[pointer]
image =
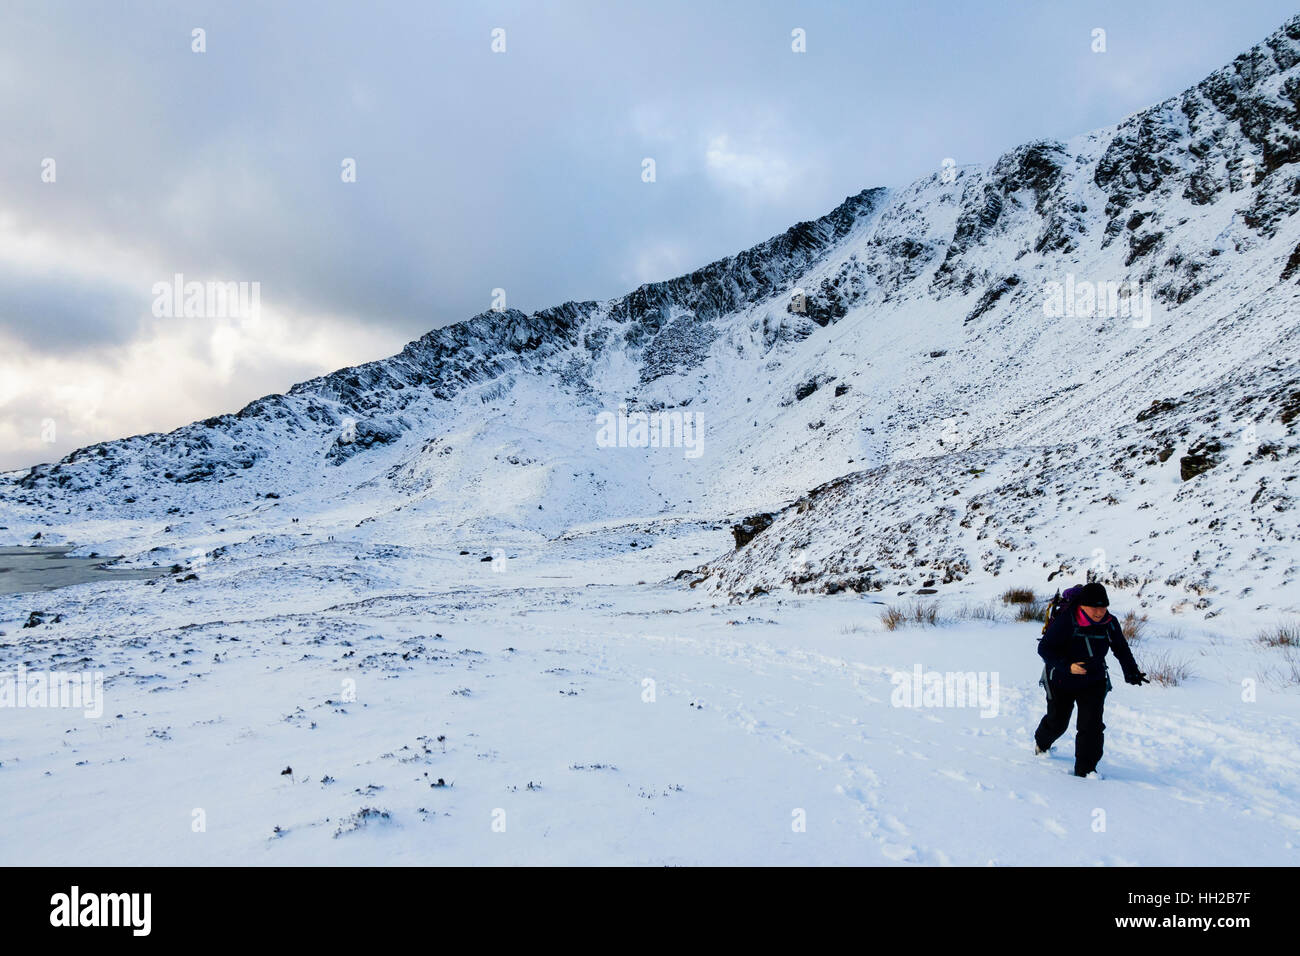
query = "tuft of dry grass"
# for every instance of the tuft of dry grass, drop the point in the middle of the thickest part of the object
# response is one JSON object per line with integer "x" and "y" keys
{"x": 1133, "y": 626}
{"x": 1281, "y": 635}
{"x": 922, "y": 613}
{"x": 1019, "y": 596}
{"x": 925, "y": 613}
{"x": 1292, "y": 672}
{"x": 1168, "y": 672}
{"x": 1031, "y": 612}
{"x": 978, "y": 612}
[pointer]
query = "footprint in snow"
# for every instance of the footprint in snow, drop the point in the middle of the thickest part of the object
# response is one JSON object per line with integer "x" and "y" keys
{"x": 898, "y": 852}
{"x": 896, "y": 825}
{"x": 855, "y": 794}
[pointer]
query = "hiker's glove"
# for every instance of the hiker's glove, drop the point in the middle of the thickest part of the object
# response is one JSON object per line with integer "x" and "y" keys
{"x": 1137, "y": 678}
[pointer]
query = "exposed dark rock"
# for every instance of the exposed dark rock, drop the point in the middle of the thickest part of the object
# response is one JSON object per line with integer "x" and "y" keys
{"x": 1292, "y": 264}
{"x": 679, "y": 346}
{"x": 1035, "y": 167}
{"x": 1158, "y": 407}
{"x": 804, "y": 389}
{"x": 751, "y": 276}
{"x": 1200, "y": 458}
{"x": 745, "y": 531}
{"x": 364, "y": 435}
{"x": 1140, "y": 244}
{"x": 1290, "y": 409}
{"x": 990, "y": 299}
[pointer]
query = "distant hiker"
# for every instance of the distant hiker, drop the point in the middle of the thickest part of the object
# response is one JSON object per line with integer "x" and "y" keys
{"x": 1078, "y": 633}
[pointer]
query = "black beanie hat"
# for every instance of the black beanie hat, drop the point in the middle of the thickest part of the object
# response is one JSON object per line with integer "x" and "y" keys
{"x": 1093, "y": 595}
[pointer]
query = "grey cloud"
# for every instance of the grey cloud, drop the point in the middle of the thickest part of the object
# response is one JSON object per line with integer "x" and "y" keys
{"x": 521, "y": 170}
{"x": 66, "y": 314}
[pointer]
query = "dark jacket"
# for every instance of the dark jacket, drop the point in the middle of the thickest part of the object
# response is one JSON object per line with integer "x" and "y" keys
{"x": 1067, "y": 642}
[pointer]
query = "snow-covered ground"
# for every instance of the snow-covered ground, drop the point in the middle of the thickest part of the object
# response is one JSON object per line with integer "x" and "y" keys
{"x": 523, "y": 686}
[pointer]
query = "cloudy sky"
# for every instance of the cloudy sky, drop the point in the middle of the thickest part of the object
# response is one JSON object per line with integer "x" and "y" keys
{"x": 127, "y": 158}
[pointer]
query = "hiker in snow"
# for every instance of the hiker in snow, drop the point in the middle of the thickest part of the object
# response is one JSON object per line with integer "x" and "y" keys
{"x": 1078, "y": 633}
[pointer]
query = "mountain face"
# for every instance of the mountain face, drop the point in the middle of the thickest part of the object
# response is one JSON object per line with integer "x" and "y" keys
{"x": 1080, "y": 357}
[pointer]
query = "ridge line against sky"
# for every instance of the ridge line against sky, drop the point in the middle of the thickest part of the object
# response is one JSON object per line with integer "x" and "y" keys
{"x": 518, "y": 169}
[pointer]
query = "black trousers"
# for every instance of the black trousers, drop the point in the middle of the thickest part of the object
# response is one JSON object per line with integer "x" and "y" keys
{"x": 1088, "y": 738}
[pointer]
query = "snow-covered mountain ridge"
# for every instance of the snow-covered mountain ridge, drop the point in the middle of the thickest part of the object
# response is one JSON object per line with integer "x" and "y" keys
{"x": 900, "y": 355}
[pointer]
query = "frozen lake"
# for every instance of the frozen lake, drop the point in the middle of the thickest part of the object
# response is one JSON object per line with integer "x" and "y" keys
{"x": 44, "y": 569}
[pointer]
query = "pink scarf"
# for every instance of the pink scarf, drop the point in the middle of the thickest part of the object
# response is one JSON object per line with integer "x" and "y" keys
{"x": 1083, "y": 620}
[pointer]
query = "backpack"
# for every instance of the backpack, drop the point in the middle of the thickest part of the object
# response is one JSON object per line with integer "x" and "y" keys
{"x": 1063, "y": 601}
{"x": 1060, "y": 601}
